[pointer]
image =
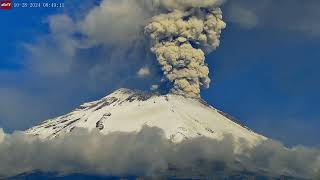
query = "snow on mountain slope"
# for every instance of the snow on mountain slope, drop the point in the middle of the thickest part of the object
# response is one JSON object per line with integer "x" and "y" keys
{"x": 127, "y": 111}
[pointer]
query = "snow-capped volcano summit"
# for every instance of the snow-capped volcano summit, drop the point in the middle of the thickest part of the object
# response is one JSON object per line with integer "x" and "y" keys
{"x": 128, "y": 111}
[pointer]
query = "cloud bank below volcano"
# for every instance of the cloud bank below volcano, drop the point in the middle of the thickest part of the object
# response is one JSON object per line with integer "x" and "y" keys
{"x": 149, "y": 154}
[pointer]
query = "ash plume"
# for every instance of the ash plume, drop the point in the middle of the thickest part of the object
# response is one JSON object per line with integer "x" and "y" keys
{"x": 181, "y": 37}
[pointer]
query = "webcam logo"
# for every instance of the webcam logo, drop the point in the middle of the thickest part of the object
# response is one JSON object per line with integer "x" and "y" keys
{"x": 6, "y": 4}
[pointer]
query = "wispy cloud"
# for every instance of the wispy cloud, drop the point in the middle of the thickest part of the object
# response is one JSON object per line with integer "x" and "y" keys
{"x": 81, "y": 57}
{"x": 288, "y": 15}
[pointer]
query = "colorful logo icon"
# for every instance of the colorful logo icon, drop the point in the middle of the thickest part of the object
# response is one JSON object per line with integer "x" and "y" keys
{"x": 6, "y": 4}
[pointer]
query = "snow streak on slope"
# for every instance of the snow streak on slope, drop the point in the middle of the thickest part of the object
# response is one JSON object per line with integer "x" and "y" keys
{"x": 128, "y": 111}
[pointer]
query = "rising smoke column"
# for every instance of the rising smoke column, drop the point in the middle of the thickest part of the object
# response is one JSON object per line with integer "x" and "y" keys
{"x": 180, "y": 39}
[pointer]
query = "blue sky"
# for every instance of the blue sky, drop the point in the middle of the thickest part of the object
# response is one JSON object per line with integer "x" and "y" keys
{"x": 265, "y": 73}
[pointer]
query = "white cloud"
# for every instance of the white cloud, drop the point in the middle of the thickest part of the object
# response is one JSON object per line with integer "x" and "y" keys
{"x": 2, "y": 135}
{"x": 53, "y": 54}
{"x": 244, "y": 17}
{"x": 61, "y": 24}
{"x": 144, "y": 72}
{"x": 115, "y": 22}
{"x": 154, "y": 87}
{"x": 149, "y": 153}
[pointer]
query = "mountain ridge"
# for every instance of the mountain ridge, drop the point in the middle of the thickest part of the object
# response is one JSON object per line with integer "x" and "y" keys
{"x": 127, "y": 110}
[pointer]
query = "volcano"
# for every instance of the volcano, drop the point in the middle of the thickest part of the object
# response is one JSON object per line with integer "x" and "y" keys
{"x": 128, "y": 110}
